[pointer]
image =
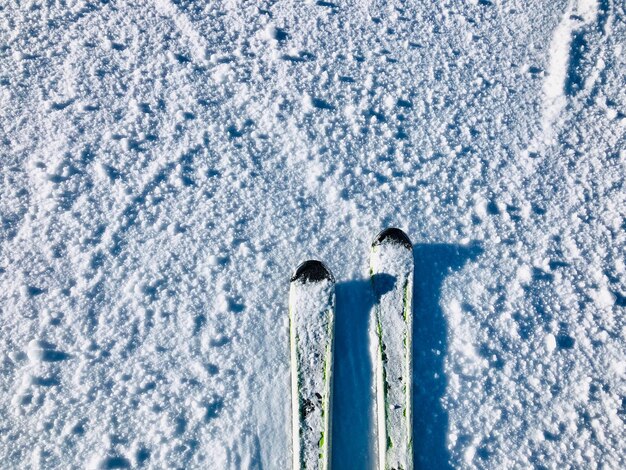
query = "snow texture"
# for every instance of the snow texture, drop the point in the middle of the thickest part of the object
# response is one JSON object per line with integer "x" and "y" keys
{"x": 165, "y": 165}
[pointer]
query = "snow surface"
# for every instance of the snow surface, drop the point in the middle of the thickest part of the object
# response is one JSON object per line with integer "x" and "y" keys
{"x": 165, "y": 165}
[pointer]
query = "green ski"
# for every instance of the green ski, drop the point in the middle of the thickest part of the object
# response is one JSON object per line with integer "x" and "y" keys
{"x": 311, "y": 325}
{"x": 391, "y": 271}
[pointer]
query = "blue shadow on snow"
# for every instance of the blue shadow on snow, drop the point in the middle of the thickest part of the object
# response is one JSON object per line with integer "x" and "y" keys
{"x": 353, "y": 392}
{"x": 353, "y": 376}
{"x": 433, "y": 262}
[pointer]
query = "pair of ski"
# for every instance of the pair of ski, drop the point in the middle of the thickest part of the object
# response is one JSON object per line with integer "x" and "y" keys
{"x": 311, "y": 325}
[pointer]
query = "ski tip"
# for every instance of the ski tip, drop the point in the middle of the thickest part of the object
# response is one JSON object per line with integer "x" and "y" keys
{"x": 393, "y": 235}
{"x": 312, "y": 271}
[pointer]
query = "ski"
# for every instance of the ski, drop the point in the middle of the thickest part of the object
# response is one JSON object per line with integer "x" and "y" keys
{"x": 391, "y": 273}
{"x": 311, "y": 331}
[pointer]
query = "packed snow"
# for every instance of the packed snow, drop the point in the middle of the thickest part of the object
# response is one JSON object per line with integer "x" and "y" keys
{"x": 166, "y": 165}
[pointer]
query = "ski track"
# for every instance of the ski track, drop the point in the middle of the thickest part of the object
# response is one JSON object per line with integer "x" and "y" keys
{"x": 165, "y": 167}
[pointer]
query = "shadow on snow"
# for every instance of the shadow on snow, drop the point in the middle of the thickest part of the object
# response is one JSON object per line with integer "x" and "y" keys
{"x": 430, "y": 346}
{"x": 352, "y": 376}
{"x": 353, "y": 394}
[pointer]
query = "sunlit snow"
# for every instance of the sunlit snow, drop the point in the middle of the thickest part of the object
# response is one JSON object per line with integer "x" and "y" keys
{"x": 164, "y": 166}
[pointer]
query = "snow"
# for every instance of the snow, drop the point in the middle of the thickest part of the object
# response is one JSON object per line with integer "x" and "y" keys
{"x": 165, "y": 166}
{"x": 550, "y": 342}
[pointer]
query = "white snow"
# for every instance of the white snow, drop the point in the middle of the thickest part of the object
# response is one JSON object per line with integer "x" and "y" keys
{"x": 550, "y": 342}
{"x": 165, "y": 165}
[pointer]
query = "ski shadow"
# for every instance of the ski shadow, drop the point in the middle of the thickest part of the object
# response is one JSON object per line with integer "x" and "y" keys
{"x": 433, "y": 263}
{"x": 353, "y": 393}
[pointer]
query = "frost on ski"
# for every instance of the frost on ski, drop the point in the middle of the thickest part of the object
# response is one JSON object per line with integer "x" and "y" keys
{"x": 311, "y": 309}
{"x": 391, "y": 267}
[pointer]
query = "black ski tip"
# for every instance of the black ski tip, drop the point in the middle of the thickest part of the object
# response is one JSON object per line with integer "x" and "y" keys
{"x": 312, "y": 271}
{"x": 394, "y": 235}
